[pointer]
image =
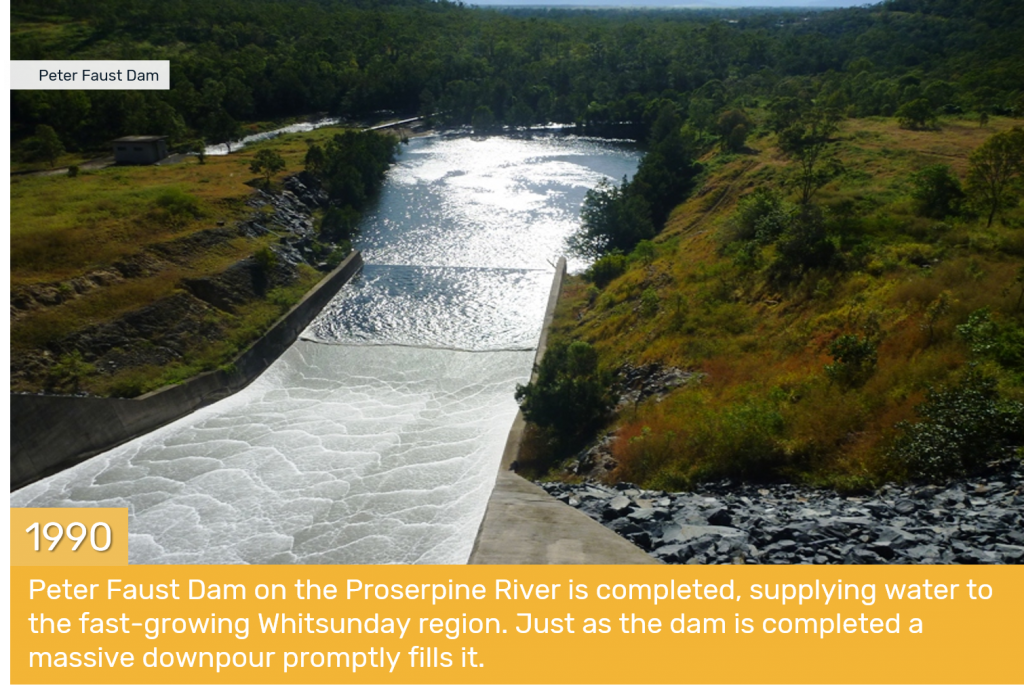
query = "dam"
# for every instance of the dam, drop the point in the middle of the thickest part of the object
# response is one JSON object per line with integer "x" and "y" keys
{"x": 376, "y": 437}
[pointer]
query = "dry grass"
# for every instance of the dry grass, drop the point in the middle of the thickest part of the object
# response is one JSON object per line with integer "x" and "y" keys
{"x": 62, "y": 227}
{"x": 766, "y": 406}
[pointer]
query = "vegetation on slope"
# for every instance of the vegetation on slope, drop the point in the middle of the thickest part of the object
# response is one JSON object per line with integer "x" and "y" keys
{"x": 94, "y": 250}
{"x": 874, "y": 331}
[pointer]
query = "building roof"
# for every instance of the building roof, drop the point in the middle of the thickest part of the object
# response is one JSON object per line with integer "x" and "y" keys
{"x": 135, "y": 139}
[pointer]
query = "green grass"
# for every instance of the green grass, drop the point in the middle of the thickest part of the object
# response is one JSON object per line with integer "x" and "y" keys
{"x": 766, "y": 408}
{"x": 62, "y": 228}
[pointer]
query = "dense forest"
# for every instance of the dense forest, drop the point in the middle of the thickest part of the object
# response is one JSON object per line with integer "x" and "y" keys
{"x": 235, "y": 61}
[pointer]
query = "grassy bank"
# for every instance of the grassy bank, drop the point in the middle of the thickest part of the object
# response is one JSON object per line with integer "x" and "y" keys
{"x": 780, "y": 398}
{"x": 94, "y": 248}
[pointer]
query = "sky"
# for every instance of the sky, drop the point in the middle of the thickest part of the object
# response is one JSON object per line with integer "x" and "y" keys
{"x": 678, "y": 3}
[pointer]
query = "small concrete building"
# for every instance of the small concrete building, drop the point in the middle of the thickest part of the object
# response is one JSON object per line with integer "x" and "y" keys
{"x": 144, "y": 149}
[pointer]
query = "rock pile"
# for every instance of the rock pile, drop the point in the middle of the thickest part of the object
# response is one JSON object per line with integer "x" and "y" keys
{"x": 636, "y": 383}
{"x": 165, "y": 330}
{"x": 979, "y": 521}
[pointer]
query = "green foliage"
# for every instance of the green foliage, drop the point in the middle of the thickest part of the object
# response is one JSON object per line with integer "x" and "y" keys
{"x": 937, "y": 192}
{"x": 733, "y": 127}
{"x": 761, "y": 216}
{"x": 743, "y": 441}
{"x": 68, "y": 372}
{"x": 339, "y": 224}
{"x": 645, "y": 252}
{"x": 1001, "y": 341}
{"x": 649, "y": 303}
{"x": 613, "y": 220}
{"x": 266, "y": 260}
{"x": 804, "y": 245}
{"x": 616, "y": 218}
{"x": 176, "y": 208}
{"x": 246, "y": 61}
{"x": 351, "y": 166}
{"x": 570, "y": 395}
{"x": 197, "y": 147}
{"x": 338, "y": 254}
{"x": 607, "y": 268}
{"x": 808, "y": 141}
{"x": 483, "y": 119}
{"x": 854, "y": 360}
{"x": 45, "y": 145}
{"x": 266, "y": 162}
{"x": 917, "y": 115}
{"x": 315, "y": 159}
{"x": 220, "y": 127}
{"x": 935, "y": 311}
{"x": 73, "y": 171}
{"x": 963, "y": 427}
{"x": 994, "y": 179}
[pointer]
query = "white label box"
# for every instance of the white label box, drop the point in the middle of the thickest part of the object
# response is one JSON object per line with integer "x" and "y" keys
{"x": 91, "y": 74}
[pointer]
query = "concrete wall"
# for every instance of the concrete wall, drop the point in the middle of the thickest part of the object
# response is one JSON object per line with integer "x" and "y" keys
{"x": 50, "y": 433}
{"x": 524, "y": 525}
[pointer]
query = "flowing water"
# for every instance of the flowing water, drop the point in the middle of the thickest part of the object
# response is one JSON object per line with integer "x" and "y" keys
{"x": 377, "y": 436}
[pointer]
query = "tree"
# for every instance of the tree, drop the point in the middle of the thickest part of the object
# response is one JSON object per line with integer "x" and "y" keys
{"x": 196, "y": 147}
{"x": 221, "y": 127}
{"x": 47, "y": 145}
{"x": 614, "y": 218}
{"x": 733, "y": 126}
{"x": 997, "y": 166}
{"x": 570, "y": 395}
{"x": 808, "y": 142}
{"x": 937, "y": 191}
{"x": 854, "y": 360}
{"x": 916, "y": 115}
{"x": 803, "y": 245}
{"x": 483, "y": 119}
{"x": 267, "y": 162}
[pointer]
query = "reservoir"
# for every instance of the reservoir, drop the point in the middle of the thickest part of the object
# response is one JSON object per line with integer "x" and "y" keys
{"x": 376, "y": 437}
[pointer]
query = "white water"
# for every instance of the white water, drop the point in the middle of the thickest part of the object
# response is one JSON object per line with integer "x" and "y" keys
{"x": 376, "y": 438}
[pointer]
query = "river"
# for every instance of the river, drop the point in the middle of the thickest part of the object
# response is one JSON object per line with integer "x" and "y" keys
{"x": 376, "y": 437}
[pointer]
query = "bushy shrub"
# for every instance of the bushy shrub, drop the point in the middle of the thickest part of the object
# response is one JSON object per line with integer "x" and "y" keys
{"x": 744, "y": 441}
{"x": 937, "y": 192}
{"x": 339, "y": 224}
{"x": 804, "y": 245}
{"x": 176, "y": 208}
{"x": 916, "y": 115}
{"x": 750, "y": 214}
{"x": 1003, "y": 342}
{"x": 854, "y": 358}
{"x": 649, "y": 302}
{"x": 963, "y": 426}
{"x": 607, "y": 268}
{"x": 570, "y": 396}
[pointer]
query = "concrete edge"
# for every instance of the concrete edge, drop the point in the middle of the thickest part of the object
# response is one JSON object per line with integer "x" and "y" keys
{"x": 50, "y": 433}
{"x": 523, "y": 524}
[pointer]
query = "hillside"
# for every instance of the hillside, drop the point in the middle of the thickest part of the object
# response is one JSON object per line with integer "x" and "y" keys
{"x": 805, "y": 372}
{"x": 128, "y": 278}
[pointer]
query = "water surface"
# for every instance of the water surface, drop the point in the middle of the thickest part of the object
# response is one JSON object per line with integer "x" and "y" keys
{"x": 376, "y": 437}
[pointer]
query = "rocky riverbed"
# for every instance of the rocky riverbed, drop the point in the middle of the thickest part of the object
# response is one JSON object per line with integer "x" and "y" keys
{"x": 974, "y": 521}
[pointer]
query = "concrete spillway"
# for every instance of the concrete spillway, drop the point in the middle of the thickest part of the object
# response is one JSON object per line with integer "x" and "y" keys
{"x": 376, "y": 438}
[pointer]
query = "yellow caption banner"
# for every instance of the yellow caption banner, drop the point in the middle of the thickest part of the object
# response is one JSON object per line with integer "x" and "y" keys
{"x": 269, "y": 624}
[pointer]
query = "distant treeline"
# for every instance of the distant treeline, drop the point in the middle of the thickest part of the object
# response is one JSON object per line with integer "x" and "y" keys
{"x": 235, "y": 61}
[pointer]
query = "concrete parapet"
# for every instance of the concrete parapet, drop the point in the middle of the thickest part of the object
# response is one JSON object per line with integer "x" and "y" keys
{"x": 524, "y": 525}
